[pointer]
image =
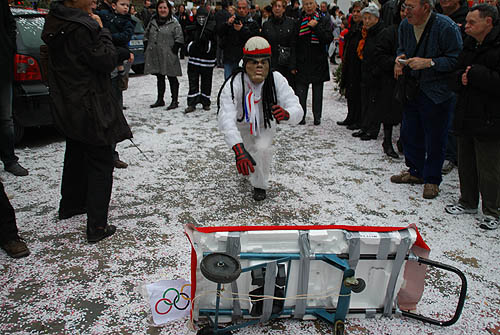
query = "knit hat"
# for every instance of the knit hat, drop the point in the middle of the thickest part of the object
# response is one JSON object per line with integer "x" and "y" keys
{"x": 371, "y": 9}
{"x": 257, "y": 47}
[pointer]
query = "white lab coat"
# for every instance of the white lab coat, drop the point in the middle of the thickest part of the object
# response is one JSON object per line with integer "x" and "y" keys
{"x": 260, "y": 146}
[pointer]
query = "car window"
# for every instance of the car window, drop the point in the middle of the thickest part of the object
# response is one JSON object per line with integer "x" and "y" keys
{"x": 30, "y": 30}
{"x": 139, "y": 28}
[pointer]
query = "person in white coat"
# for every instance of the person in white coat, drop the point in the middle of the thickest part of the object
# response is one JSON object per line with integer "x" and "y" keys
{"x": 250, "y": 105}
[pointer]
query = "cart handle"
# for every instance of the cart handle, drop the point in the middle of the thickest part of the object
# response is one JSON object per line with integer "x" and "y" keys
{"x": 461, "y": 299}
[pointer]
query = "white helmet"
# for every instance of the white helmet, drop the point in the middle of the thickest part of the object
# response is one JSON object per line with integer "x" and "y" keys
{"x": 257, "y": 47}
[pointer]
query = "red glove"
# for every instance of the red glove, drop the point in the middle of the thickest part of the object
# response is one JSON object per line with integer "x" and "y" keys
{"x": 244, "y": 162}
{"x": 279, "y": 113}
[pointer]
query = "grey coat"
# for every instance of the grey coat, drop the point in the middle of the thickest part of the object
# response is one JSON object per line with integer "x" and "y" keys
{"x": 159, "y": 58}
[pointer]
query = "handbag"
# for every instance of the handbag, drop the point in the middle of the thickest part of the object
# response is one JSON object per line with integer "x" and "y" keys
{"x": 284, "y": 55}
{"x": 408, "y": 86}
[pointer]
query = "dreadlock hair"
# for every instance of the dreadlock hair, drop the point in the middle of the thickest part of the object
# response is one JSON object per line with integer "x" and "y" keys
{"x": 269, "y": 97}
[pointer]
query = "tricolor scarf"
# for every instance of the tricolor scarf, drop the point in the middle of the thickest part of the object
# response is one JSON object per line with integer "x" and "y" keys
{"x": 252, "y": 106}
{"x": 361, "y": 44}
{"x": 305, "y": 29}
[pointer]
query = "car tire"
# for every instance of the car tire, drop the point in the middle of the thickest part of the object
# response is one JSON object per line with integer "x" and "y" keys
{"x": 138, "y": 69}
{"x": 18, "y": 132}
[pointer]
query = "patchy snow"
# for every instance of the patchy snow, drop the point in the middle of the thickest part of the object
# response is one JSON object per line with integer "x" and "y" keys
{"x": 321, "y": 175}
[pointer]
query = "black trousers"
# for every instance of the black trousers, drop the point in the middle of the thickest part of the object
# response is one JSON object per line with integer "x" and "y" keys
{"x": 8, "y": 227}
{"x": 370, "y": 120}
{"x": 87, "y": 181}
{"x": 317, "y": 98}
{"x": 194, "y": 74}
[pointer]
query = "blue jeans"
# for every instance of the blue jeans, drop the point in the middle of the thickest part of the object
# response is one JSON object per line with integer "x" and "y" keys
{"x": 424, "y": 133}
{"x": 229, "y": 68}
{"x": 6, "y": 124}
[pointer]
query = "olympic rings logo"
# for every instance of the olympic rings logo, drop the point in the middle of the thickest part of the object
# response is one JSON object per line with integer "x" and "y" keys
{"x": 168, "y": 301}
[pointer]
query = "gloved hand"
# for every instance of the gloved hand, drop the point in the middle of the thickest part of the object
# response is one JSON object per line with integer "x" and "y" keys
{"x": 280, "y": 114}
{"x": 244, "y": 162}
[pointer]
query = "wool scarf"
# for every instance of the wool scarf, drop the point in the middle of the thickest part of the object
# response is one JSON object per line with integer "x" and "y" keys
{"x": 252, "y": 106}
{"x": 305, "y": 29}
{"x": 361, "y": 44}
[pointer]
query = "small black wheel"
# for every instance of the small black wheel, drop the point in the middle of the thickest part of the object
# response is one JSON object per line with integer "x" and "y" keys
{"x": 220, "y": 268}
{"x": 359, "y": 287}
{"x": 339, "y": 327}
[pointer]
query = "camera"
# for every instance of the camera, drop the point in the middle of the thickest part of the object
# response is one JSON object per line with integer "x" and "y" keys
{"x": 236, "y": 21}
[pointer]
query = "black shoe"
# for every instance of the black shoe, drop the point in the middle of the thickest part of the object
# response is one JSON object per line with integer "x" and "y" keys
{"x": 189, "y": 109}
{"x": 389, "y": 150}
{"x": 353, "y": 126}
{"x": 317, "y": 122}
{"x": 66, "y": 214}
{"x": 100, "y": 233}
{"x": 344, "y": 123}
{"x": 399, "y": 145}
{"x": 173, "y": 105}
{"x": 303, "y": 122}
{"x": 259, "y": 194}
{"x": 358, "y": 133}
{"x": 206, "y": 107}
{"x": 159, "y": 103}
{"x": 16, "y": 169}
{"x": 367, "y": 137}
{"x": 120, "y": 164}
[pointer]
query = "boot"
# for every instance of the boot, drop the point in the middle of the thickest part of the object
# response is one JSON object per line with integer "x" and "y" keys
{"x": 160, "y": 85}
{"x": 174, "y": 89}
{"x": 387, "y": 144}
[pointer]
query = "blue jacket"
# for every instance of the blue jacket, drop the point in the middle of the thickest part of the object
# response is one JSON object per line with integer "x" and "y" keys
{"x": 443, "y": 45}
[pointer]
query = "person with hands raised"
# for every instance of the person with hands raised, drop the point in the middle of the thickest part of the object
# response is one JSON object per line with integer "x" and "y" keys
{"x": 251, "y": 102}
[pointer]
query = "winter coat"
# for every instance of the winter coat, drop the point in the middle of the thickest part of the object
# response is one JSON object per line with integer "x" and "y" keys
{"x": 202, "y": 48}
{"x": 390, "y": 110}
{"x": 7, "y": 41}
{"x": 160, "y": 39}
{"x": 477, "y": 111}
{"x": 281, "y": 32}
{"x": 231, "y": 110}
{"x": 312, "y": 58}
{"x": 443, "y": 45}
{"x": 351, "y": 64}
{"x": 221, "y": 17}
{"x": 81, "y": 58}
{"x": 370, "y": 71}
{"x": 233, "y": 41}
{"x": 121, "y": 27}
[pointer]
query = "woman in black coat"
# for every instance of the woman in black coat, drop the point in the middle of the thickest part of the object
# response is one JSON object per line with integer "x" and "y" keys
{"x": 370, "y": 73}
{"x": 315, "y": 34}
{"x": 81, "y": 58}
{"x": 281, "y": 33}
{"x": 389, "y": 109}
{"x": 351, "y": 69}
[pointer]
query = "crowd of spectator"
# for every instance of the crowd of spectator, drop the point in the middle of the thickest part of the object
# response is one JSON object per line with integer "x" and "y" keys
{"x": 433, "y": 68}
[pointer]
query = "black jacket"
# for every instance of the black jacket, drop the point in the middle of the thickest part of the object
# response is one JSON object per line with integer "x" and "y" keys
{"x": 121, "y": 27}
{"x": 458, "y": 16}
{"x": 233, "y": 41}
{"x": 351, "y": 64}
{"x": 390, "y": 110}
{"x": 312, "y": 58}
{"x": 281, "y": 32}
{"x": 477, "y": 111}
{"x": 7, "y": 41}
{"x": 370, "y": 71}
{"x": 81, "y": 58}
{"x": 201, "y": 45}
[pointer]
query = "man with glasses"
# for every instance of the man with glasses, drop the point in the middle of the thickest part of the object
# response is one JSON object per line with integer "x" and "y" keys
{"x": 237, "y": 30}
{"x": 429, "y": 45}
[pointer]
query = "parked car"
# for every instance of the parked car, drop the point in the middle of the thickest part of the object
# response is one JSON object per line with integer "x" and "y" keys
{"x": 136, "y": 45}
{"x": 31, "y": 101}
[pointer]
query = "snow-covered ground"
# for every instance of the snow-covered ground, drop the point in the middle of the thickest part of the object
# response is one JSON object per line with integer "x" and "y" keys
{"x": 321, "y": 175}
